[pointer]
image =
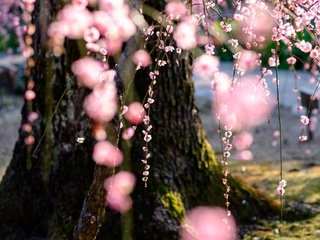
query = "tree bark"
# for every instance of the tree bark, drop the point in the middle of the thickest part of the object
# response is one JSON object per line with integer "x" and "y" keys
{"x": 184, "y": 171}
{"x": 42, "y": 191}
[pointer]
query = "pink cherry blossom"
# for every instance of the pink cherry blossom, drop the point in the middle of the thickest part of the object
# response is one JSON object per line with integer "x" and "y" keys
{"x": 273, "y": 61}
{"x": 248, "y": 60}
{"x": 315, "y": 53}
{"x": 205, "y": 66}
{"x": 185, "y": 34}
{"x": 243, "y": 140}
{"x": 304, "y": 46}
{"x": 128, "y": 133}
{"x": 244, "y": 107}
{"x": 175, "y": 9}
{"x": 101, "y": 104}
{"x": 141, "y": 58}
{"x": 281, "y": 191}
{"x": 29, "y": 140}
{"x": 111, "y": 5}
{"x": 26, "y": 127}
{"x": 221, "y": 83}
{"x": 118, "y": 188}
{"x": 135, "y": 113}
{"x": 303, "y": 138}
{"x": 112, "y": 28}
{"x": 107, "y": 76}
{"x": 33, "y": 116}
{"x": 282, "y": 185}
{"x": 80, "y": 3}
{"x": 208, "y": 223}
{"x": 197, "y": 6}
{"x": 291, "y": 60}
{"x": 99, "y": 131}
{"x": 104, "y": 153}
{"x": 245, "y": 155}
{"x": 91, "y": 35}
{"x": 76, "y": 20}
{"x": 29, "y": 95}
{"x": 87, "y": 71}
{"x": 304, "y": 120}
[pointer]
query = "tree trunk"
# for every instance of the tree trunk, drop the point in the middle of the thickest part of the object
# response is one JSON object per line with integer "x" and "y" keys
{"x": 43, "y": 195}
{"x": 42, "y": 191}
{"x": 184, "y": 171}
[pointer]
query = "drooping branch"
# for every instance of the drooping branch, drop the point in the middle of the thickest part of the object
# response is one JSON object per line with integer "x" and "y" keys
{"x": 93, "y": 210}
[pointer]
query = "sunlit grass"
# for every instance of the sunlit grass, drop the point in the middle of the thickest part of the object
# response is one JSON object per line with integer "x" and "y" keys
{"x": 302, "y": 198}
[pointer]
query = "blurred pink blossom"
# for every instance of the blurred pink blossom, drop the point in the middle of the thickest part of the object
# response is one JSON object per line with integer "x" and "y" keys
{"x": 93, "y": 47}
{"x": 33, "y": 116}
{"x": 291, "y": 60}
{"x": 118, "y": 188}
{"x": 221, "y": 83}
{"x": 205, "y": 66}
{"x": 243, "y": 140}
{"x": 244, "y": 107}
{"x": 245, "y": 155}
{"x": 248, "y": 60}
{"x": 128, "y": 133}
{"x": 29, "y": 95}
{"x": 80, "y": 3}
{"x": 91, "y": 35}
{"x": 99, "y": 131}
{"x": 101, "y": 103}
{"x": 208, "y": 223}
{"x": 303, "y": 138}
{"x": 175, "y": 9}
{"x": 282, "y": 185}
{"x": 141, "y": 58}
{"x": 111, "y": 5}
{"x": 29, "y": 140}
{"x": 135, "y": 113}
{"x": 76, "y": 20}
{"x": 26, "y": 127}
{"x": 104, "y": 153}
{"x": 185, "y": 34}
{"x": 87, "y": 71}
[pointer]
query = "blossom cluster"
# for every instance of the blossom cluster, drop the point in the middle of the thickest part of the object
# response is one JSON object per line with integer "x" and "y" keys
{"x": 10, "y": 20}
{"x": 104, "y": 30}
{"x": 282, "y": 185}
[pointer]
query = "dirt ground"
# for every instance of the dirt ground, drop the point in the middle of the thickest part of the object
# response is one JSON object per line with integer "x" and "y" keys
{"x": 10, "y": 107}
{"x": 265, "y": 145}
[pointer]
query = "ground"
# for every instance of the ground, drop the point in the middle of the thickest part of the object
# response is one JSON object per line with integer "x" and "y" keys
{"x": 10, "y": 107}
{"x": 301, "y": 169}
{"x": 301, "y": 216}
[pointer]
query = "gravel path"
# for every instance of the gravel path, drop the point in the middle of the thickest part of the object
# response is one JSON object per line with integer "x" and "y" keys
{"x": 9, "y": 123}
{"x": 265, "y": 145}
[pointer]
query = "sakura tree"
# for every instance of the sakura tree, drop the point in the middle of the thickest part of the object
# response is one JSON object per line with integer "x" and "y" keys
{"x": 109, "y": 111}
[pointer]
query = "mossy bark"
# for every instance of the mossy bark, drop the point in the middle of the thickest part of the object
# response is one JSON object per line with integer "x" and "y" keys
{"x": 42, "y": 191}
